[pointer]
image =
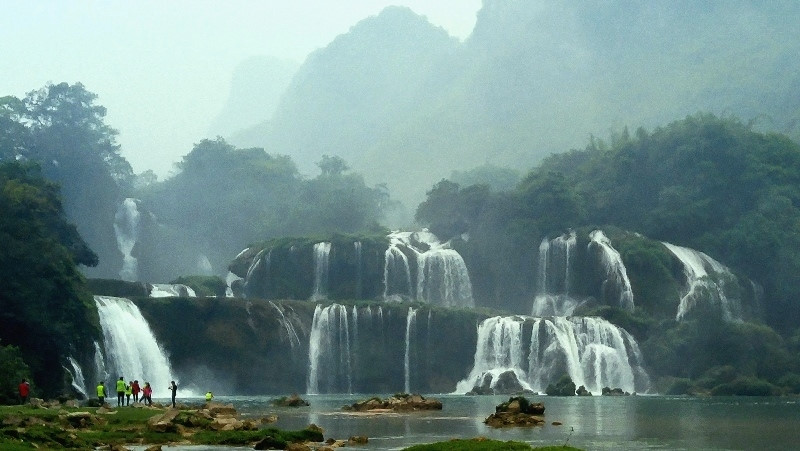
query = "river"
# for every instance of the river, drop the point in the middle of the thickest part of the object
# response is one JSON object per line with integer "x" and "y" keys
{"x": 599, "y": 422}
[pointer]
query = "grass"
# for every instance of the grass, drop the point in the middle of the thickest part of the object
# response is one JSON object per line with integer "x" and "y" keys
{"x": 483, "y": 444}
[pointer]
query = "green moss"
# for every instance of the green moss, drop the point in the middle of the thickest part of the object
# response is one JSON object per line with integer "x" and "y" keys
{"x": 279, "y": 437}
{"x": 204, "y": 286}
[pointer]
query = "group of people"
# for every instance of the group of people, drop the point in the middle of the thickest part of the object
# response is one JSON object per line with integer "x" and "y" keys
{"x": 124, "y": 392}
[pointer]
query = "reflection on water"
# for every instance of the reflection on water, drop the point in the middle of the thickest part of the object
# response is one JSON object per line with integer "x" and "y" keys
{"x": 632, "y": 422}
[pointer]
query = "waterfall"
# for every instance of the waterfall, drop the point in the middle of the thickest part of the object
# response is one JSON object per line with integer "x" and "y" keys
{"x": 78, "y": 381}
{"x": 230, "y": 279}
{"x": 329, "y": 356}
{"x": 359, "y": 270}
{"x": 442, "y": 279}
{"x": 616, "y": 282}
{"x": 130, "y": 347}
{"x": 171, "y": 290}
{"x": 705, "y": 280}
{"x": 396, "y": 272}
{"x": 286, "y": 325}
{"x": 410, "y": 319}
{"x": 592, "y": 351}
{"x": 126, "y": 229}
{"x": 99, "y": 364}
{"x": 552, "y": 278}
{"x": 322, "y": 253}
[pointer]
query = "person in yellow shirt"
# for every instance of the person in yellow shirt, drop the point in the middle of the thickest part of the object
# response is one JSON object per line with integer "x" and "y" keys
{"x": 101, "y": 393}
{"x": 128, "y": 393}
{"x": 121, "y": 392}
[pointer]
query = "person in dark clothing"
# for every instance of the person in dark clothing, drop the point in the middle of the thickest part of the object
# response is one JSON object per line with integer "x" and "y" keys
{"x": 174, "y": 389}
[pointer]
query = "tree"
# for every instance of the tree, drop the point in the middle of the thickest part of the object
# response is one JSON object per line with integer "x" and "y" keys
{"x": 332, "y": 166}
{"x": 45, "y": 309}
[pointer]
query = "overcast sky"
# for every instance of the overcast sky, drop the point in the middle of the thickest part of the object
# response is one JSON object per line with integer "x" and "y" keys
{"x": 163, "y": 68}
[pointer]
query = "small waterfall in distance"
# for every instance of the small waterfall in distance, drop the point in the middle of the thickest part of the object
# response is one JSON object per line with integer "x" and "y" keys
{"x": 131, "y": 350}
{"x": 126, "y": 229}
{"x": 594, "y": 353}
{"x": 553, "y": 274}
{"x": 330, "y": 368}
{"x": 359, "y": 270}
{"x": 322, "y": 253}
{"x": 286, "y": 326}
{"x": 442, "y": 276}
{"x": 410, "y": 319}
{"x": 705, "y": 280}
{"x": 78, "y": 381}
{"x": 616, "y": 281}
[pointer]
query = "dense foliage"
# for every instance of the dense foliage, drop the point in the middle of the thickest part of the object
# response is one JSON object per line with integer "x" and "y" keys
{"x": 45, "y": 309}
{"x": 12, "y": 370}
{"x": 62, "y": 128}
{"x": 224, "y": 198}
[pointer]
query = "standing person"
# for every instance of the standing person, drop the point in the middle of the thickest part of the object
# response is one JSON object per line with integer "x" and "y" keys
{"x": 101, "y": 393}
{"x": 209, "y": 396}
{"x": 121, "y": 392}
{"x": 174, "y": 389}
{"x": 147, "y": 392}
{"x": 128, "y": 391}
{"x": 135, "y": 389}
{"x": 24, "y": 391}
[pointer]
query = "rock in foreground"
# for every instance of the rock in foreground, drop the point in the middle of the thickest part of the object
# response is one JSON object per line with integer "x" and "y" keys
{"x": 402, "y": 402}
{"x": 517, "y": 411}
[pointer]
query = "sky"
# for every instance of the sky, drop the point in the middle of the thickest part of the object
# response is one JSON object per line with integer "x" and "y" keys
{"x": 163, "y": 68}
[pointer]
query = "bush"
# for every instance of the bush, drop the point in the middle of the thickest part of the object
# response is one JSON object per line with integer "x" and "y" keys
{"x": 745, "y": 386}
{"x": 12, "y": 370}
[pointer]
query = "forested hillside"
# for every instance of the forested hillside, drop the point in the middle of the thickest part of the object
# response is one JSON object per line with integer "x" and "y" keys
{"x": 408, "y": 105}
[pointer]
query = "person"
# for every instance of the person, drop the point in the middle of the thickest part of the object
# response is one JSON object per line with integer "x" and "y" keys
{"x": 209, "y": 396}
{"x": 174, "y": 389}
{"x": 24, "y": 391}
{"x": 120, "y": 392}
{"x": 147, "y": 393}
{"x": 135, "y": 389}
{"x": 128, "y": 391}
{"x": 101, "y": 393}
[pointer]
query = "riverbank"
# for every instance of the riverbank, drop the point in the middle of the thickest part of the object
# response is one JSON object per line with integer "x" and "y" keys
{"x": 59, "y": 426}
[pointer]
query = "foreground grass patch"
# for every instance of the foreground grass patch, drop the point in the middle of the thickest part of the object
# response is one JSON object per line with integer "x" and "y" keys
{"x": 482, "y": 444}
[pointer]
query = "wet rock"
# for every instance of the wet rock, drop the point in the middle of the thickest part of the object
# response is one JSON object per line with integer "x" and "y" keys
{"x": 582, "y": 391}
{"x": 400, "y": 402}
{"x": 164, "y": 422}
{"x": 291, "y": 401}
{"x": 357, "y": 440}
{"x": 517, "y": 411}
{"x": 297, "y": 447}
{"x": 72, "y": 404}
{"x": 614, "y": 392}
{"x": 269, "y": 442}
{"x": 313, "y": 427}
{"x": 153, "y": 448}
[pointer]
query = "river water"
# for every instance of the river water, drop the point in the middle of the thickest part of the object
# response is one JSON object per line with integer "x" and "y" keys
{"x": 599, "y": 422}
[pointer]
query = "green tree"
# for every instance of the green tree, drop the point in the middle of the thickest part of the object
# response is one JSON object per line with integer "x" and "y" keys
{"x": 45, "y": 309}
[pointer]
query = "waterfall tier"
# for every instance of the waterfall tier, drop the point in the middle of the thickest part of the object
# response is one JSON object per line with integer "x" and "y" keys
{"x": 538, "y": 351}
{"x": 553, "y": 277}
{"x": 616, "y": 285}
{"x": 706, "y": 280}
{"x": 131, "y": 349}
{"x": 126, "y": 229}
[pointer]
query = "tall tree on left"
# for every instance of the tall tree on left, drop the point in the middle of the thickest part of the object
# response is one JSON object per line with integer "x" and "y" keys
{"x": 46, "y": 311}
{"x": 62, "y": 128}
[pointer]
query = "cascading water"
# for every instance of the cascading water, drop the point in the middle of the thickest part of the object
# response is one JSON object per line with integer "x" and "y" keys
{"x": 131, "y": 349}
{"x": 359, "y": 270}
{"x": 410, "y": 319}
{"x": 78, "y": 381}
{"x": 442, "y": 276}
{"x": 329, "y": 357}
{"x": 616, "y": 283}
{"x": 555, "y": 259}
{"x": 592, "y": 351}
{"x": 126, "y": 229}
{"x": 396, "y": 271}
{"x": 322, "y": 253}
{"x": 287, "y": 327}
{"x": 705, "y": 281}
{"x": 167, "y": 290}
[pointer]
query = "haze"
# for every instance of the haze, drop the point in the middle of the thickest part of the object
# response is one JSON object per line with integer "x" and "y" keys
{"x": 163, "y": 69}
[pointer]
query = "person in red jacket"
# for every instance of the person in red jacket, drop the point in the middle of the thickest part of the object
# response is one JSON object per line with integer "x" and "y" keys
{"x": 24, "y": 391}
{"x": 135, "y": 389}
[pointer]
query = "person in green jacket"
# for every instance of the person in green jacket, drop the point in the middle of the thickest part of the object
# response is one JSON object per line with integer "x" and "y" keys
{"x": 121, "y": 392}
{"x": 128, "y": 393}
{"x": 101, "y": 393}
{"x": 209, "y": 396}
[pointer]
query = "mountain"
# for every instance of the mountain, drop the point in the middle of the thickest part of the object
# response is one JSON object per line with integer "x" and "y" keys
{"x": 405, "y": 103}
{"x": 256, "y": 89}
